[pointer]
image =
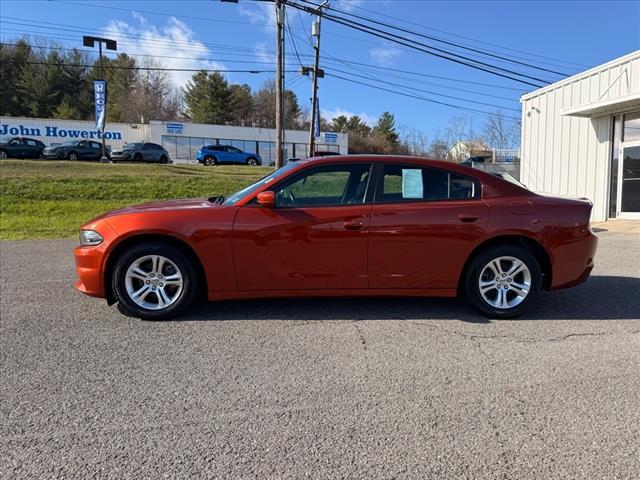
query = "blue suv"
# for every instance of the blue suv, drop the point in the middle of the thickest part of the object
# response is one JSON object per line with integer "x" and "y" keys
{"x": 219, "y": 154}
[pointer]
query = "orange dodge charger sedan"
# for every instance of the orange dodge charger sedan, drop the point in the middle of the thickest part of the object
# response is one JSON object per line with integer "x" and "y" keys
{"x": 342, "y": 226}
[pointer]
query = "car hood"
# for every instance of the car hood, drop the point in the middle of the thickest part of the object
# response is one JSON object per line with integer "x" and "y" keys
{"x": 161, "y": 206}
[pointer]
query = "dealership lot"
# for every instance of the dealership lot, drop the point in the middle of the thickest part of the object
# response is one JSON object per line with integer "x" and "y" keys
{"x": 348, "y": 388}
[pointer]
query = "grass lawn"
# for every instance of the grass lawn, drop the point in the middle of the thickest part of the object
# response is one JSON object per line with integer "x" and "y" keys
{"x": 51, "y": 199}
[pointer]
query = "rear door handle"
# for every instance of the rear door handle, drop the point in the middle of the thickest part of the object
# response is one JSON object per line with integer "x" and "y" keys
{"x": 354, "y": 224}
{"x": 467, "y": 218}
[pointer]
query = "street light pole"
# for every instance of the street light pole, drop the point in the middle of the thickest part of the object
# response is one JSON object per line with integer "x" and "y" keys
{"x": 89, "y": 41}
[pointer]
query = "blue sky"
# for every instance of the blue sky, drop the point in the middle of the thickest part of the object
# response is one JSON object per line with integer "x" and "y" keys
{"x": 567, "y": 37}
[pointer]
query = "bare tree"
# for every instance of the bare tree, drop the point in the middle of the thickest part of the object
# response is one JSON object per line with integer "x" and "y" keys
{"x": 501, "y": 132}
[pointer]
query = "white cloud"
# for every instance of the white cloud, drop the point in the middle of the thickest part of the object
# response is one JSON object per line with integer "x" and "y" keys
{"x": 336, "y": 112}
{"x": 164, "y": 41}
{"x": 260, "y": 13}
{"x": 263, "y": 53}
{"x": 385, "y": 55}
{"x": 349, "y": 5}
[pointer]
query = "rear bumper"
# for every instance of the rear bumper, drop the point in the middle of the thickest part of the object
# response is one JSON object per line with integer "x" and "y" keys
{"x": 574, "y": 261}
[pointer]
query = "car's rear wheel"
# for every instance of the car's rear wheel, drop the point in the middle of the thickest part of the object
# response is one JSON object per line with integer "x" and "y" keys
{"x": 3, "y": 155}
{"x": 164, "y": 159}
{"x": 503, "y": 281}
{"x": 210, "y": 160}
{"x": 73, "y": 156}
{"x": 137, "y": 157}
{"x": 252, "y": 162}
{"x": 154, "y": 281}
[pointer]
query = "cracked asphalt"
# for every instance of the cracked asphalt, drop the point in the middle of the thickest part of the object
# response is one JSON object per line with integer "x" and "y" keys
{"x": 329, "y": 388}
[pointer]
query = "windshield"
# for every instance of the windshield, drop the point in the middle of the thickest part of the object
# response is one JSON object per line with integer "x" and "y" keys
{"x": 263, "y": 181}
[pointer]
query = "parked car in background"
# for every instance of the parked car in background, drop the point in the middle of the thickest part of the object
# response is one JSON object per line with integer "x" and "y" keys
{"x": 76, "y": 150}
{"x": 22, "y": 147}
{"x": 141, "y": 152}
{"x": 342, "y": 226}
{"x": 219, "y": 154}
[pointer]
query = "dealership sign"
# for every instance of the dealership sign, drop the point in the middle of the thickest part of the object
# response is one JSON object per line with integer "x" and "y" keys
{"x": 100, "y": 98}
{"x": 55, "y": 131}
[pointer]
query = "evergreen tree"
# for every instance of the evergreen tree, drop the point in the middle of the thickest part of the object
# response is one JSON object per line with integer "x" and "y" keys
{"x": 241, "y": 105}
{"x": 208, "y": 98}
{"x": 339, "y": 124}
{"x": 386, "y": 129}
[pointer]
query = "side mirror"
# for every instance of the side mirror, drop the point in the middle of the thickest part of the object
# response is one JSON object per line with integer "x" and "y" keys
{"x": 267, "y": 199}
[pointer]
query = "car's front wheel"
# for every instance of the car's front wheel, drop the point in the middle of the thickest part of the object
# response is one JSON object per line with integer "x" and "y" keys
{"x": 3, "y": 155}
{"x": 503, "y": 281}
{"x": 209, "y": 161}
{"x": 252, "y": 162}
{"x": 73, "y": 156}
{"x": 154, "y": 281}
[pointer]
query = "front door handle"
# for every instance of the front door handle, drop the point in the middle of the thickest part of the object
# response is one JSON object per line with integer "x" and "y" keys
{"x": 354, "y": 224}
{"x": 467, "y": 218}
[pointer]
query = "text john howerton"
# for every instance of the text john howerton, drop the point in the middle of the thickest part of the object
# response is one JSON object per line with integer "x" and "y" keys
{"x": 53, "y": 131}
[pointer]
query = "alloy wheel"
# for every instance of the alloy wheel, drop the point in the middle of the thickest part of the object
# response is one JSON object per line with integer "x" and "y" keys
{"x": 505, "y": 282}
{"x": 3, "y": 155}
{"x": 153, "y": 282}
{"x": 252, "y": 162}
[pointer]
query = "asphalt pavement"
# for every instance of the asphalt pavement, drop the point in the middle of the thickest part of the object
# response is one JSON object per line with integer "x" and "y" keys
{"x": 328, "y": 388}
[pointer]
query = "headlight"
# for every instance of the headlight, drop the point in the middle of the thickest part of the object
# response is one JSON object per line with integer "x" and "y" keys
{"x": 90, "y": 238}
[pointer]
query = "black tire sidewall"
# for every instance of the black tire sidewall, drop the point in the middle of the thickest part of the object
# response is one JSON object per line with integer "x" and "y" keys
{"x": 182, "y": 261}
{"x": 472, "y": 289}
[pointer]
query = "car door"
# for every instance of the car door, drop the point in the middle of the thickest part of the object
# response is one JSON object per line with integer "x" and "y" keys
{"x": 424, "y": 224}
{"x": 31, "y": 148}
{"x": 314, "y": 238}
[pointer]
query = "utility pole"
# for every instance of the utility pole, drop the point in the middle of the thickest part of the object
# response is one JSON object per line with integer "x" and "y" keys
{"x": 89, "y": 41}
{"x": 317, "y": 73}
{"x": 279, "y": 82}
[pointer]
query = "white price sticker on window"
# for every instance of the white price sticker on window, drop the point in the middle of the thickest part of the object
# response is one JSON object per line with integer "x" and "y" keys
{"x": 412, "y": 183}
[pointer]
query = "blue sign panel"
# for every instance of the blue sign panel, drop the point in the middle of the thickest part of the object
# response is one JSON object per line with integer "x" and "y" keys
{"x": 330, "y": 137}
{"x": 316, "y": 126}
{"x": 100, "y": 99}
{"x": 174, "y": 128}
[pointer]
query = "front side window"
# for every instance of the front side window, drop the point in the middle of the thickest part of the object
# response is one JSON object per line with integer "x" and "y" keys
{"x": 406, "y": 183}
{"x": 326, "y": 186}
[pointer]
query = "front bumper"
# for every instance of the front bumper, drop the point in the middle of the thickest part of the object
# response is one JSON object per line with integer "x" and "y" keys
{"x": 89, "y": 267}
{"x": 53, "y": 155}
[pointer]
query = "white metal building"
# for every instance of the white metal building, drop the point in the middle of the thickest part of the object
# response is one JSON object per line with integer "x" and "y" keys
{"x": 182, "y": 140}
{"x": 581, "y": 138}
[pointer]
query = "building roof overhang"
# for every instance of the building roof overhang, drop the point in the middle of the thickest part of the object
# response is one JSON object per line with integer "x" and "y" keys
{"x": 605, "y": 107}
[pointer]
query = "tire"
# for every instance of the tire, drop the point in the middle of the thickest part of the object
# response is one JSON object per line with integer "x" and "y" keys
{"x": 252, "y": 162}
{"x": 164, "y": 159}
{"x": 499, "y": 297}
{"x": 3, "y": 155}
{"x": 73, "y": 156}
{"x": 210, "y": 160}
{"x": 41, "y": 157}
{"x": 137, "y": 157}
{"x": 149, "y": 283}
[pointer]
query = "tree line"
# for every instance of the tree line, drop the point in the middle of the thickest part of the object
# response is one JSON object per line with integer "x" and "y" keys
{"x": 46, "y": 81}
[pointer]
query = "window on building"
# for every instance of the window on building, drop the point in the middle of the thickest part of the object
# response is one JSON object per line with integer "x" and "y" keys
{"x": 631, "y": 127}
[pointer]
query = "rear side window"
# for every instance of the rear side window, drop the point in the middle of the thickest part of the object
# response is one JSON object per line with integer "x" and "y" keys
{"x": 409, "y": 183}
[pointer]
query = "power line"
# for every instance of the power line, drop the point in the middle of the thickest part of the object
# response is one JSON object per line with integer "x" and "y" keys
{"x": 437, "y": 52}
{"x": 430, "y": 100}
{"x": 446, "y": 42}
{"x": 121, "y": 67}
{"x": 424, "y": 91}
{"x": 386, "y": 15}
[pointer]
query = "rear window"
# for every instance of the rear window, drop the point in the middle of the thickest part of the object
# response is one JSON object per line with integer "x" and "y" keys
{"x": 406, "y": 183}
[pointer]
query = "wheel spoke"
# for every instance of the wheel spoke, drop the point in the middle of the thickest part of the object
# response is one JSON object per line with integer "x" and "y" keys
{"x": 517, "y": 267}
{"x": 520, "y": 289}
{"x": 163, "y": 298}
{"x": 137, "y": 272}
{"x": 141, "y": 294}
{"x": 495, "y": 266}
{"x": 487, "y": 286}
